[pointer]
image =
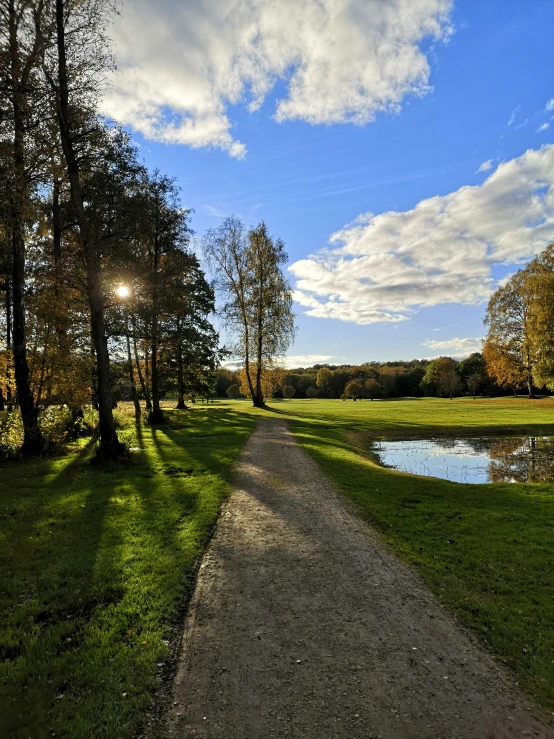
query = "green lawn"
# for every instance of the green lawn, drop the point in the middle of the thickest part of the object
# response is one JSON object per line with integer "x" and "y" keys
{"x": 95, "y": 565}
{"x": 486, "y": 551}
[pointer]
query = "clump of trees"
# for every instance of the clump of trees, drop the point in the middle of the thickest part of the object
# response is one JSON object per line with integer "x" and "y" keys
{"x": 101, "y": 288}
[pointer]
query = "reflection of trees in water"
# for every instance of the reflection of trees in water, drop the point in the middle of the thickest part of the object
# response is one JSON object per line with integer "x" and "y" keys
{"x": 476, "y": 459}
{"x": 528, "y": 459}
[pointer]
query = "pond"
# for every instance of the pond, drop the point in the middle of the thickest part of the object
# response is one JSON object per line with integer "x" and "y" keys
{"x": 473, "y": 460}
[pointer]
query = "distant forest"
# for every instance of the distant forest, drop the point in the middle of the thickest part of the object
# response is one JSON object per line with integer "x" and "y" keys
{"x": 440, "y": 377}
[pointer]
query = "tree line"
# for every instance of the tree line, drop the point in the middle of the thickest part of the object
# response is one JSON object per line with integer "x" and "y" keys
{"x": 440, "y": 377}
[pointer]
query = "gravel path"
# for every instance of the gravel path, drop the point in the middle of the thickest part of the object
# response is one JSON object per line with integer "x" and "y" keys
{"x": 304, "y": 625}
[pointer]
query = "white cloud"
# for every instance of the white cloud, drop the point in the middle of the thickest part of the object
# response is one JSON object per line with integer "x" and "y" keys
{"x": 515, "y": 111}
{"x": 182, "y": 64}
{"x": 456, "y": 347}
{"x": 486, "y": 166}
{"x": 383, "y": 268}
{"x": 550, "y": 104}
{"x": 522, "y": 125}
{"x": 290, "y": 362}
{"x": 305, "y": 360}
{"x": 544, "y": 127}
{"x": 213, "y": 212}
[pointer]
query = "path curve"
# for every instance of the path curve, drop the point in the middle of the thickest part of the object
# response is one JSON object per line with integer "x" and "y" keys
{"x": 303, "y": 624}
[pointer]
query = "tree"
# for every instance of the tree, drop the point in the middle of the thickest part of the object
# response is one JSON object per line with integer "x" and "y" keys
{"x": 439, "y": 376}
{"x": 387, "y": 380}
{"x": 271, "y": 301}
{"x": 354, "y": 390}
{"x": 539, "y": 276}
{"x": 449, "y": 382}
{"x": 75, "y": 78}
{"x": 226, "y": 251}
{"x": 162, "y": 238}
{"x": 473, "y": 372}
{"x": 311, "y": 392}
{"x": 258, "y": 299}
{"x": 373, "y": 389}
{"x": 288, "y": 391}
{"x": 511, "y": 351}
{"x": 323, "y": 381}
{"x": 22, "y": 50}
{"x": 474, "y": 383}
{"x": 504, "y": 367}
{"x": 272, "y": 378}
{"x": 233, "y": 391}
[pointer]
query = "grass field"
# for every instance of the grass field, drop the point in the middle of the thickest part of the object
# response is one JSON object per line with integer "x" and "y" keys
{"x": 486, "y": 551}
{"x": 96, "y": 563}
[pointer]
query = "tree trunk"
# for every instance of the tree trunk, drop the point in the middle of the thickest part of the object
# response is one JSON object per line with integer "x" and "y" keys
{"x": 134, "y": 394}
{"x": 181, "y": 405}
{"x": 9, "y": 399}
{"x": 110, "y": 446}
{"x": 143, "y": 385}
{"x": 530, "y": 388}
{"x": 258, "y": 399}
{"x": 56, "y": 222}
{"x": 247, "y": 365}
{"x": 33, "y": 440}
{"x": 2, "y": 404}
{"x": 156, "y": 415}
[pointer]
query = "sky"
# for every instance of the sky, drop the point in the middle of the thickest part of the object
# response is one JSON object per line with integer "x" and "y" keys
{"x": 402, "y": 149}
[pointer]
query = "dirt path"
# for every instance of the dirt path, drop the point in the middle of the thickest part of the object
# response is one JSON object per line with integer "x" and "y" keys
{"x": 304, "y": 625}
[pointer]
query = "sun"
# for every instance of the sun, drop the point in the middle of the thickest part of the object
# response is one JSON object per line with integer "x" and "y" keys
{"x": 123, "y": 291}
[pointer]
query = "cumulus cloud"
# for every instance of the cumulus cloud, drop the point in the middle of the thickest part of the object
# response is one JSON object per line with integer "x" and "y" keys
{"x": 383, "y": 268}
{"x": 182, "y": 64}
{"x": 544, "y": 127}
{"x": 456, "y": 347}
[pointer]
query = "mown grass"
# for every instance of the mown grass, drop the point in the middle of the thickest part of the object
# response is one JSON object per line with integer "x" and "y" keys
{"x": 95, "y": 564}
{"x": 486, "y": 551}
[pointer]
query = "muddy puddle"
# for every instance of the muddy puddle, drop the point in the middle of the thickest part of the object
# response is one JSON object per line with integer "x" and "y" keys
{"x": 473, "y": 460}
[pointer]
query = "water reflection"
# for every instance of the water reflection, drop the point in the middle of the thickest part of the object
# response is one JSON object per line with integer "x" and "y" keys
{"x": 474, "y": 460}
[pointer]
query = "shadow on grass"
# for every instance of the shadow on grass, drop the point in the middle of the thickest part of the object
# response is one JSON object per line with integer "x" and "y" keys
{"x": 97, "y": 561}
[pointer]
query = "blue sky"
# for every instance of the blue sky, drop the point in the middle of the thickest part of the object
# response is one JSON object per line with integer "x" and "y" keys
{"x": 308, "y": 118}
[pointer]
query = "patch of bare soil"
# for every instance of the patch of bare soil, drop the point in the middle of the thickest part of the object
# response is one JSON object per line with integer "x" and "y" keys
{"x": 303, "y": 624}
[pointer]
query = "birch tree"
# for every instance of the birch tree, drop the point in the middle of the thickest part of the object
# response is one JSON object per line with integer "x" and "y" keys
{"x": 248, "y": 269}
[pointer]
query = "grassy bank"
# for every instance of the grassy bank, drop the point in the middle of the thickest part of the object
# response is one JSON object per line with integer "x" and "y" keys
{"x": 94, "y": 565}
{"x": 486, "y": 551}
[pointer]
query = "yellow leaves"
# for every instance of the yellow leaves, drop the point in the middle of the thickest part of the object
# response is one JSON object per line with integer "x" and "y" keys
{"x": 272, "y": 379}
